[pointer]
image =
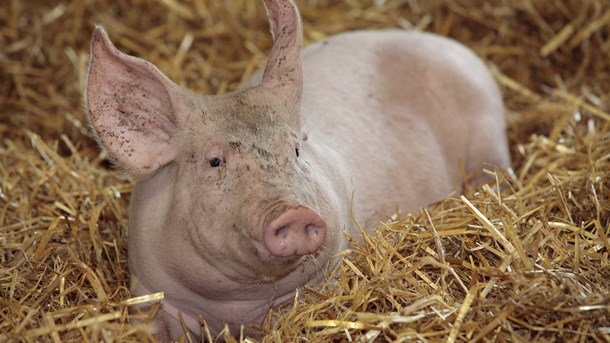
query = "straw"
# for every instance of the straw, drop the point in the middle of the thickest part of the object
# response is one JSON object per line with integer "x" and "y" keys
{"x": 524, "y": 258}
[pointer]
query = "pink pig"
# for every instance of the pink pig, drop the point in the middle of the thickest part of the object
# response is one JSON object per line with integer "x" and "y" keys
{"x": 243, "y": 198}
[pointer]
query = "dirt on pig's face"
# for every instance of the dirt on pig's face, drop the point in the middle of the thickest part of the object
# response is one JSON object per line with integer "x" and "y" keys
{"x": 239, "y": 167}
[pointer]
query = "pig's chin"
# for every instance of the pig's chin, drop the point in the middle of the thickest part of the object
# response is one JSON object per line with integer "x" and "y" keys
{"x": 263, "y": 266}
{"x": 259, "y": 266}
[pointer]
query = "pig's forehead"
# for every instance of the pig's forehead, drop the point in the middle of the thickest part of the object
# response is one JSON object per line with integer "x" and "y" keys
{"x": 243, "y": 121}
{"x": 243, "y": 112}
{"x": 231, "y": 127}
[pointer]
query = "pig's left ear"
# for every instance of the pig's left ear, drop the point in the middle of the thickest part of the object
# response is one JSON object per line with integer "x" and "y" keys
{"x": 283, "y": 73}
{"x": 133, "y": 108}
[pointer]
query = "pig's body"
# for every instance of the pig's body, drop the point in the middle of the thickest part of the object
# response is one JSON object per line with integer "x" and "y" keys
{"x": 398, "y": 111}
{"x": 241, "y": 199}
{"x": 370, "y": 101}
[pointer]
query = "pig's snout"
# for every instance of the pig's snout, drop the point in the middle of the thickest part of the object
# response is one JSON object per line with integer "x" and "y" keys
{"x": 297, "y": 231}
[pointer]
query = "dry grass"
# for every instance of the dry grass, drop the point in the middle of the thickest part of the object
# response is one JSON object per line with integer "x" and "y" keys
{"x": 525, "y": 259}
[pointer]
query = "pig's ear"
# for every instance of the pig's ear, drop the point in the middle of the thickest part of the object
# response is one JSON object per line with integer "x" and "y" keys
{"x": 283, "y": 72}
{"x": 133, "y": 108}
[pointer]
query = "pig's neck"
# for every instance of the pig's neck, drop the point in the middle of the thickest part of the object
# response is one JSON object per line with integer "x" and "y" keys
{"x": 215, "y": 312}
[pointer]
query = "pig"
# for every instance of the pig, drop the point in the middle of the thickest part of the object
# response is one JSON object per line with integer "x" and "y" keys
{"x": 241, "y": 199}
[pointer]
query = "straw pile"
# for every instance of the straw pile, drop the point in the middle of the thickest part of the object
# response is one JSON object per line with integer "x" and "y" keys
{"x": 524, "y": 259}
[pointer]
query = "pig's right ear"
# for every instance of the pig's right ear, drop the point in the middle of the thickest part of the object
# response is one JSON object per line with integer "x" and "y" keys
{"x": 133, "y": 108}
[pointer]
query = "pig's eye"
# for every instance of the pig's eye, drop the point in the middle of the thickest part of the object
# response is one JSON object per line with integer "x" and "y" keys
{"x": 296, "y": 150}
{"x": 215, "y": 162}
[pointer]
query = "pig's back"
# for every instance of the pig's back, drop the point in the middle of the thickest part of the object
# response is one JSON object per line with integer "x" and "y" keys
{"x": 402, "y": 109}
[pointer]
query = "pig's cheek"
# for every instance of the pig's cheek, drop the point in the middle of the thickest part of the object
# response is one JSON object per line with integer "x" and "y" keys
{"x": 305, "y": 167}
{"x": 246, "y": 248}
{"x": 305, "y": 175}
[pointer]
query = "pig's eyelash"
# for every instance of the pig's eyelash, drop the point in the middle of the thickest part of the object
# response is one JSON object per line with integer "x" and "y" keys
{"x": 297, "y": 148}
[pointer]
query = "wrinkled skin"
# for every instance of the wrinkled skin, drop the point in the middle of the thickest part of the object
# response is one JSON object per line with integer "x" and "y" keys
{"x": 241, "y": 199}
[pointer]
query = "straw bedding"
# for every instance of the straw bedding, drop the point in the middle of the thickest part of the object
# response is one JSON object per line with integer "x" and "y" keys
{"x": 521, "y": 259}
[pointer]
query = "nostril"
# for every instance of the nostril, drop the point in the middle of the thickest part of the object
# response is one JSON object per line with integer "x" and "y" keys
{"x": 281, "y": 231}
{"x": 312, "y": 230}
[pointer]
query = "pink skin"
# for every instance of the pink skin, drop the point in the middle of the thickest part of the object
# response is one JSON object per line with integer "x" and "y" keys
{"x": 243, "y": 198}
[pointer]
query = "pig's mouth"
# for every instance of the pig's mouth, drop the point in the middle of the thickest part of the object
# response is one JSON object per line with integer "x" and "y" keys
{"x": 290, "y": 238}
{"x": 264, "y": 266}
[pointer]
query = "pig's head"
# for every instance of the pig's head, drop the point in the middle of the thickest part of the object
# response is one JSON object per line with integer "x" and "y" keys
{"x": 243, "y": 196}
